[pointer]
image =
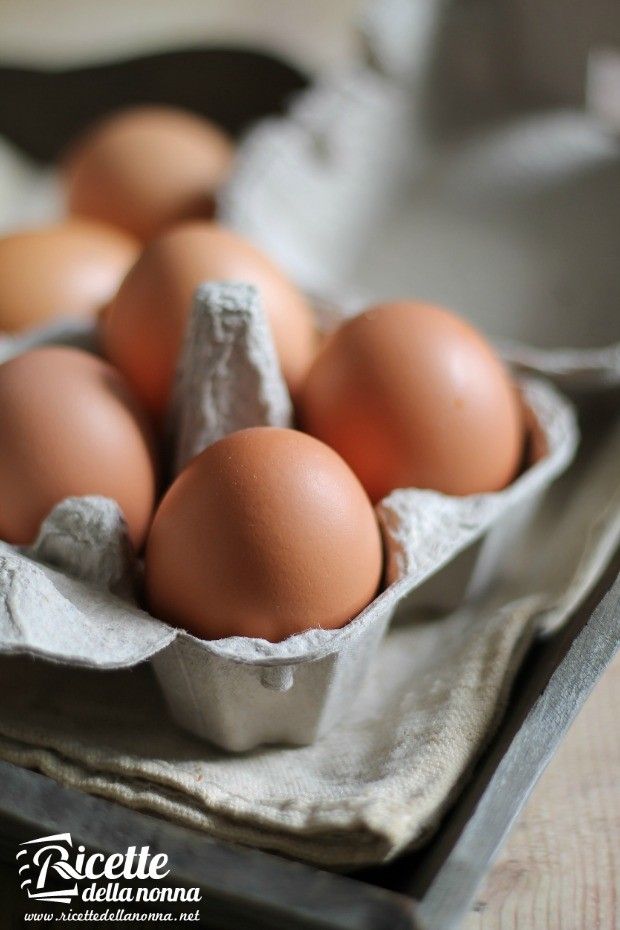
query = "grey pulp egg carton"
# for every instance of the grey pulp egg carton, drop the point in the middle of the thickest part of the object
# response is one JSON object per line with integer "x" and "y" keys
{"x": 72, "y": 596}
{"x": 416, "y": 174}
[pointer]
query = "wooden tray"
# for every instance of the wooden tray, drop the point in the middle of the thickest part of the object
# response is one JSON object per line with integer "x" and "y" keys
{"x": 243, "y": 888}
{"x": 427, "y": 890}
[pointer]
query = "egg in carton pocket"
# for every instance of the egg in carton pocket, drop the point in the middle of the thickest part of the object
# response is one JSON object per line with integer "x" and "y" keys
{"x": 72, "y": 596}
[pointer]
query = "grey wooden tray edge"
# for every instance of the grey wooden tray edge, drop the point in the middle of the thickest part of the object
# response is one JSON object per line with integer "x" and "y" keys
{"x": 275, "y": 892}
{"x": 280, "y": 893}
{"x": 453, "y": 886}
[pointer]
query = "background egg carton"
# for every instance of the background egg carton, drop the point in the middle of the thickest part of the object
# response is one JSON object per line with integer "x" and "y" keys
{"x": 434, "y": 171}
{"x": 73, "y": 596}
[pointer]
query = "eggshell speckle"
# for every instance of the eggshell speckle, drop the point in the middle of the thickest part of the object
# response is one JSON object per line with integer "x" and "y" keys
{"x": 413, "y": 396}
{"x": 265, "y": 533}
{"x": 143, "y": 329}
{"x": 145, "y": 168}
{"x": 69, "y": 426}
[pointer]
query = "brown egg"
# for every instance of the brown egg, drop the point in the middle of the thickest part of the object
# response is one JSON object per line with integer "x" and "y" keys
{"x": 66, "y": 270}
{"x": 413, "y": 396}
{"x": 265, "y": 533}
{"x": 69, "y": 426}
{"x": 148, "y": 167}
{"x": 143, "y": 329}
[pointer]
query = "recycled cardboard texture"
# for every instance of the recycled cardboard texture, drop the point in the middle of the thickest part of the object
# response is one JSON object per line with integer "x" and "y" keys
{"x": 224, "y": 690}
{"x": 379, "y": 780}
{"x": 513, "y": 222}
{"x": 230, "y": 341}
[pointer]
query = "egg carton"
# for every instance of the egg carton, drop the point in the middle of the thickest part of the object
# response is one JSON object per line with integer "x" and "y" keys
{"x": 391, "y": 179}
{"x": 72, "y": 596}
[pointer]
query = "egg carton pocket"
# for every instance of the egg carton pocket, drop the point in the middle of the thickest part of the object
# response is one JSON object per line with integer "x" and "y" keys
{"x": 72, "y": 596}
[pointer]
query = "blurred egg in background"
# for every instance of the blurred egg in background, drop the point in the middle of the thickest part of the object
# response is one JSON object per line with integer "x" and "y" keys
{"x": 66, "y": 270}
{"x": 142, "y": 331}
{"x": 145, "y": 168}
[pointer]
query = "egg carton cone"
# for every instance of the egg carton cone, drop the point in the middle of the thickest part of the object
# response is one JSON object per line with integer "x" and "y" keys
{"x": 411, "y": 175}
{"x": 72, "y": 597}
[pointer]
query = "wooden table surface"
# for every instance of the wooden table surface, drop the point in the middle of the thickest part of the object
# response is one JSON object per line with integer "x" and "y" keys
{"x": 560, "y": 869}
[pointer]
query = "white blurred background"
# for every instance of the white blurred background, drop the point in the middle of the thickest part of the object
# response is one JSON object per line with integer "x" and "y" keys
{"x": 316, "y": 34}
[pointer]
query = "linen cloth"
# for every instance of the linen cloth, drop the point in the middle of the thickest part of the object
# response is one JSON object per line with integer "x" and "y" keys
{"x": 378, "y": 782}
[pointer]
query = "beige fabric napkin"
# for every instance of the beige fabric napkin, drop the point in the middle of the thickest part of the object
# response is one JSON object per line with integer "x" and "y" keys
{"x": 380, "y": 781}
